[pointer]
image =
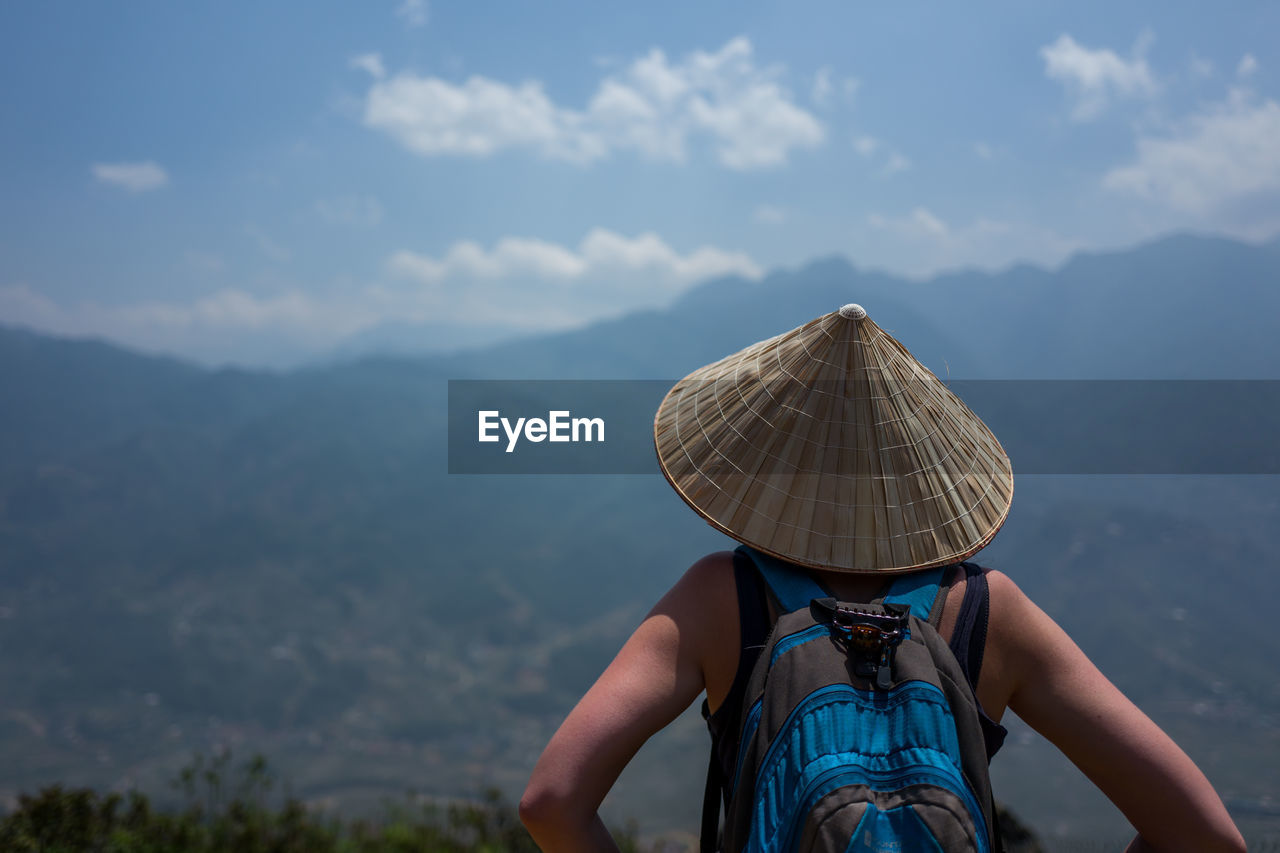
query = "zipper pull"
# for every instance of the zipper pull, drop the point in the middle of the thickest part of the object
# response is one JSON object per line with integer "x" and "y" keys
{"x": 884, "y": 674}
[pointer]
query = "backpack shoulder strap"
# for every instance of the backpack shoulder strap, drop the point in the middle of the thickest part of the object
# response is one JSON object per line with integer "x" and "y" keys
{"x": 791, "y": 586}
{"x": 792, "y": 589}
{"x": 918, "y": 590}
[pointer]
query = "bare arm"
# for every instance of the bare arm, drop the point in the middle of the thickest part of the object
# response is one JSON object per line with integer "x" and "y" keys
{"x": 1058, "y": 691}
{"x": 656, "y": 675}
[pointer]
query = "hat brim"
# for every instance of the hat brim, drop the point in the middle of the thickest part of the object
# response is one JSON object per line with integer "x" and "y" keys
{"x": 832, "y": 447}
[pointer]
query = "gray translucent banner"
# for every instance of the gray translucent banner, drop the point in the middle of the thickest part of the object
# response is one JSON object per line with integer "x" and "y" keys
{"x": 1046, "y": 426}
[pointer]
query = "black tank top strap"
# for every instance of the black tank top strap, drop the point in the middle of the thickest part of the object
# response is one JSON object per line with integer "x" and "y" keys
{"x": 969, "y": 642}
{"x": 969, "y": 638}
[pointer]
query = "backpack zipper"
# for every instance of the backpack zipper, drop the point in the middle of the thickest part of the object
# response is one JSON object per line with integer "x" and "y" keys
{"x": 953, "y": 782}
{"x": 918, "y": 773}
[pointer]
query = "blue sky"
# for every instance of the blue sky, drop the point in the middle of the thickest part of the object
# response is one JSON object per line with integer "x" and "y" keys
{"x": 258, "y": 182}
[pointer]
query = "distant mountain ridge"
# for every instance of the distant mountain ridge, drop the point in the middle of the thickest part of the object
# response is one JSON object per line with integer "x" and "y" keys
{"x": 1183, "y": 307}
{"x": 1128, "y": 313}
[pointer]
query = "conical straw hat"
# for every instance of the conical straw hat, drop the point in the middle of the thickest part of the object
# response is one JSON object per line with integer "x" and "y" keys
{"x": 832, "y": 447}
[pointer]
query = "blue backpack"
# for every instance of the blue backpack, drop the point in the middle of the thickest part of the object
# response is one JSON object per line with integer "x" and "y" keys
{"x": 859, "y": 729}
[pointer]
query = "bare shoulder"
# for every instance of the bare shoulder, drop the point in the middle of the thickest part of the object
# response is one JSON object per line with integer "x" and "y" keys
{"x": 1005, "y": 658}
{"x": 1015, "y": 621}
{"x": 706, "y": 585}
{"x": 997, "y": 578}
{"x": 704, "y": 600}
{"x": 705, "y": 591}
{"x": 1005, "y": 594}
{"x": 714, "y": 569}
{"x": 1026, "y": 636}
{"x": 704, "y": 606}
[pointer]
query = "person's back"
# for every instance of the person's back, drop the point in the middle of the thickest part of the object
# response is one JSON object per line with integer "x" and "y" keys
{"x": 689, "y": 642}
{"x": 849, "y": 524}
{"x": 1029, "y": 665}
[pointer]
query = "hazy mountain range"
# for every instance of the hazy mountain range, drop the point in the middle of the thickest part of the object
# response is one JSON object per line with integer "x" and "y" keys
{"x": 279, "y": 561}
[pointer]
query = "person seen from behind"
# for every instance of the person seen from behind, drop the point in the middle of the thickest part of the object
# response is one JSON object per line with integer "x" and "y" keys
{"x": 855, "y": 666}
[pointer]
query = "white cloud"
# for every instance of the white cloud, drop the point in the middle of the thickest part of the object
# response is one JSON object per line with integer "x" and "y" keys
{"x": 511, "y": 256}
{"x": 266, "y": 245}
{"x": 353, "y": 211}
{"x": 1248, "y": 66}
{"x": 768, "y": 214}
{"x": 518, "y": 282}
{"x": 926, "y": 244}
{"x": 21, "y": 305}
{"x": 896, "y": 163}
{"x": 921, "y": 222}
{"x": 370, "y": 63}
{"x": 1222, "y": 155}
{"x": 1200, "y": 67}
{"x": 431, "y": 117}
{"x": 825, "y": 86}
{"x": 1094, "y": 77}
{"x": 204, "y": 262}
{"x": 237, "y": 309}
{"x": 923, "y": 219}
{"x": 822, "y": 87}
{"x": 211, "y": 323}
{"x": 134, "y": 177}
{"x": 983, "y": 150}
{"x": 652, "y": 107}
{"x": 601, "y": 250}
{"x": 414, "y": 13}
{"x": 541, "y": 284}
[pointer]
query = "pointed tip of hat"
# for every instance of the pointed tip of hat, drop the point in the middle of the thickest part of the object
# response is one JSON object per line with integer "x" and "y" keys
{"x": 853, "y": 311}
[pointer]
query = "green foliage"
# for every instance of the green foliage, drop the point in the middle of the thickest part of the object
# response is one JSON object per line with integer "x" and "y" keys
{"x": 232, "y": 808}
{"x": 220, "y": 814}
{"x": 1016, "y": 835}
